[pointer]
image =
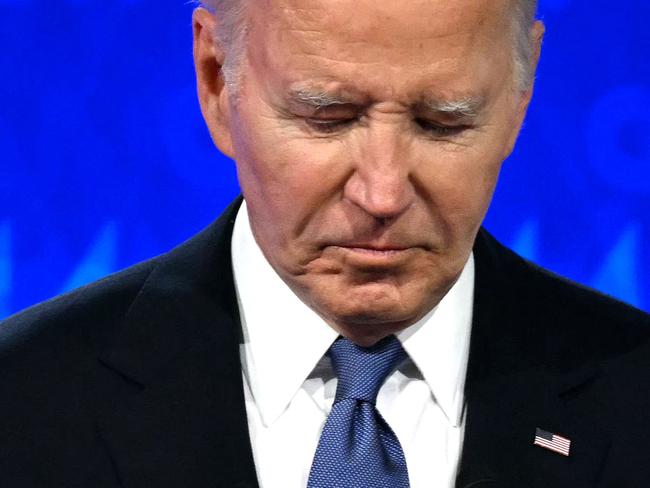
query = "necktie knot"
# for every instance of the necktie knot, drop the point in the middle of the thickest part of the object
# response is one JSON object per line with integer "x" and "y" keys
{"x": 362, "y": 370}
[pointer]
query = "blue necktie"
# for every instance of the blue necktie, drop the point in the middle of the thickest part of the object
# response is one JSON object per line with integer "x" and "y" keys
{"x": 357, "y": 448}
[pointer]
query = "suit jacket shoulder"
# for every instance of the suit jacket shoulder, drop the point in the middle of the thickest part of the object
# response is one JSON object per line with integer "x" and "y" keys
{"x": 547, "y": 314}
{"x": 131, "y": 381}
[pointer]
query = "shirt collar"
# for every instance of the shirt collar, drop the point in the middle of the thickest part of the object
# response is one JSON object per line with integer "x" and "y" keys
{"x": 283, "y": 339}
{"x": 438, "y": 344}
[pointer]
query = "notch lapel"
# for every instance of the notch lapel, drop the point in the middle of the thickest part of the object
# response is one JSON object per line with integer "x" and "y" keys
{"x": 176, "y": 414}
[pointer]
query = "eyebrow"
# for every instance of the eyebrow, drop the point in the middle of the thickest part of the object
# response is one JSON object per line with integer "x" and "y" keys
{"x": 317, "y": 99}
{"x": 468, "y": 106}
{"x": 462, "y": 107}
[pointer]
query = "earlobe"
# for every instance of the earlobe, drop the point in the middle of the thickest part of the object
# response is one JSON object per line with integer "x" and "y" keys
{"x": 212, "y": 91}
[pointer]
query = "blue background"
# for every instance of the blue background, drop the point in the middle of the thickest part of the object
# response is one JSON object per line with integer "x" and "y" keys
{"x": 105, "y": 160}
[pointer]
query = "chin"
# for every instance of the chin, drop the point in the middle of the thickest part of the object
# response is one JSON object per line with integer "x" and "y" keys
{"x": 369, "y": 313}
{"x": 363, "y": 307}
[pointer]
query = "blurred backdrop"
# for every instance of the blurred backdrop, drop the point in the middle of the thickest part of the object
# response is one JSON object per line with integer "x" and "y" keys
{"x": 105, "y": 161}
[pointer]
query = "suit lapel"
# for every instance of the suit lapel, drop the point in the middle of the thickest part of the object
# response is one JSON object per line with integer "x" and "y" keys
{"x": 176, "y": 414}
{"x": 518, "y": 382}
{"x": 502, "y": 417}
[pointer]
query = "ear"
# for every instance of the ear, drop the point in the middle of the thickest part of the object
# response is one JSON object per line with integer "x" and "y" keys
{"x": 213, "y": 94}
{"x": 536, "y": 37}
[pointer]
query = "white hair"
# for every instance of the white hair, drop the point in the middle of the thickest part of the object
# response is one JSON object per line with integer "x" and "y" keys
{"x": 524, "y": 46}
{"x": 230, "y": 35}
{"x": 232, "y": 28}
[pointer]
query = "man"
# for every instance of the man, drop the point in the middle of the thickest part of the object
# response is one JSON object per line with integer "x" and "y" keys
{"x": 348, "y": 323}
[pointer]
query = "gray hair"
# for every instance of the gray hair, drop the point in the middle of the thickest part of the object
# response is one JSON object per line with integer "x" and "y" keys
{"x": 525, "y": 12}
{"x": 231, "y": 33}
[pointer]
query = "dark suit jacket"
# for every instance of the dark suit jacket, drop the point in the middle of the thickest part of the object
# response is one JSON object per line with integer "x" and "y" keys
{"x": 135, "y": 380}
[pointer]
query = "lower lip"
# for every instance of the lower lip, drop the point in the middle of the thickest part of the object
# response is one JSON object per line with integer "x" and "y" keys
{"x": 376, "y": 252}
{"x": 366, "y": 255}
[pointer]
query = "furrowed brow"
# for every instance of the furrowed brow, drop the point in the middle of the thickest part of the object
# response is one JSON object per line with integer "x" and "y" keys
{"x": 462, "y": 107}
{"x": 317, "y": 99}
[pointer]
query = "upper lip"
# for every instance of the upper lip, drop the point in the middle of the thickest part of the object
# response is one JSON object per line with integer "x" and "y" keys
{"x": 375, "y": 246}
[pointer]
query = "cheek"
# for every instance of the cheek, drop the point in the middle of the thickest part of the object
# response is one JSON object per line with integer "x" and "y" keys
{"x": 458, "y": 185}
{"x": 289, "y": 181}
{"x": 277, "y": 155}
{"x": 291, "y": 176}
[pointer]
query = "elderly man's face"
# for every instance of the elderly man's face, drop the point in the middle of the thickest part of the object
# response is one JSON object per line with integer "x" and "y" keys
{"x": 368, "y": 137}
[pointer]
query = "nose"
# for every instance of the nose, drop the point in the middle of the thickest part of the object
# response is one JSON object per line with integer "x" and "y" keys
{"x": 381, "y": 181}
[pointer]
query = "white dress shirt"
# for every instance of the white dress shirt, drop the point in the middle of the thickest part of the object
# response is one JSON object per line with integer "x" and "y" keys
{"x": 290, "y": 386}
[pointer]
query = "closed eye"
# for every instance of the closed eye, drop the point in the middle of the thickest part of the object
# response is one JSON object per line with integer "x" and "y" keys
{"x": 441, "y": 130}
{"x": 434, "y": 129}
{"x": 327, "y": 126}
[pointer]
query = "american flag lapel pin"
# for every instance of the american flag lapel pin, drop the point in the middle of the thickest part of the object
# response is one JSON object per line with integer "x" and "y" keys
{"x": 552, "y": 442}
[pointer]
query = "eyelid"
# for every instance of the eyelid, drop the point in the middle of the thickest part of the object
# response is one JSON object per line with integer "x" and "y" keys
{"x": 328, "y": 125}
{"x": 446, "y": 130}
{"x": 431, "y": 128}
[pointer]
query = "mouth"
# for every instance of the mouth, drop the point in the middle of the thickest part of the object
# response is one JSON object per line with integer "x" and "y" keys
{"x": 362, "y": 254}
{"x": 376, "y": 251}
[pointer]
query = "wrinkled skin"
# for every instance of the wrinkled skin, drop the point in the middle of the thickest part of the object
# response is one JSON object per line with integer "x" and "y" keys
{"x": 367, "y": 205}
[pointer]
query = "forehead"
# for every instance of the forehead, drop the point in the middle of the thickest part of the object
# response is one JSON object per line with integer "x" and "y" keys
{"x": 383, "y": 45}
{"x": 364, "y": 18}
